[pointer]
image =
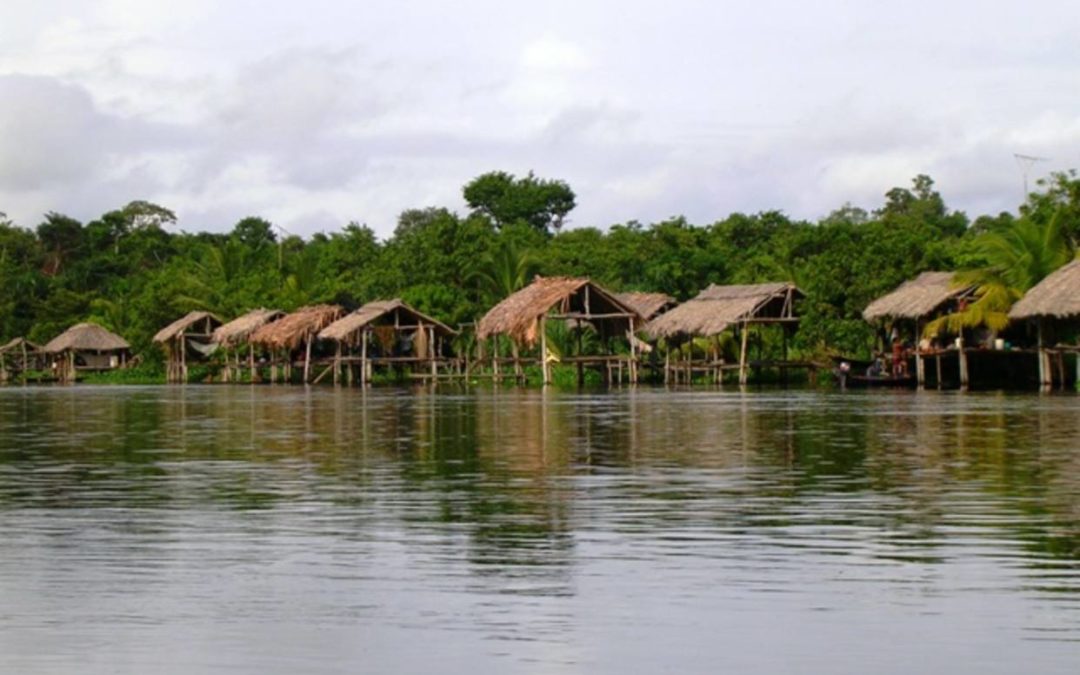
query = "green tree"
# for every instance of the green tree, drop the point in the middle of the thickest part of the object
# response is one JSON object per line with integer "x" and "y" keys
{"x": 504, "y": 199}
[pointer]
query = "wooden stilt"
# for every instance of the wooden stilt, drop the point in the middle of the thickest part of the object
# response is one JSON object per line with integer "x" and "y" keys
{"x": 337, "y": 364}
{"x": 742, "y": 354}
{"x": 307, "y": 360}
{"x": 545, "y": 367}
{"x": 633, "y": 355}
{"x": 920, "y": 364}
{"x": 363, "y": 358}
{"x": 1044, "y": 371}
{"x": 962, "y": 355}
{"x": 432, "y": 353}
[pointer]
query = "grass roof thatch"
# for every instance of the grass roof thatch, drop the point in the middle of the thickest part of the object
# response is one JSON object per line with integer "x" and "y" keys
{"x": 647, "y": 305}
{"x": 519, "y": 314}
{"x": 240, "y": 329}
{"x": 86, "y": 337}
{"x": 177, "y": 327}
{"x": 916, "y": 298}
{"x": 16, "y": 345}
{"x": 347, "y": 327}
{"x": 716, "y": 308}
{"x": 1057, "y": 296}
{"x": 292, "y": 330}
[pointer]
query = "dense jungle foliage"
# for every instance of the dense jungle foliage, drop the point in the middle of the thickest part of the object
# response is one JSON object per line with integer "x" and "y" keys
{"x": 135, "y": 270}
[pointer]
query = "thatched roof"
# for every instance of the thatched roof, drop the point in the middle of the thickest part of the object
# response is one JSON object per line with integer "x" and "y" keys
{"x": 293, "y": 329}
{"x": 240, "y": 329}
{"x": 916, "y": 298}
{"x": 647, "y": 305}
{"x": 347, "y": 326}
{"x": 86, "y": 337}
{"x": 518, "y": 315}
{"x": 16, "y": 345}
{"x": 1057, "y": 296}
{"x": 717, "y": 307}
{"x": 177, "y": 327}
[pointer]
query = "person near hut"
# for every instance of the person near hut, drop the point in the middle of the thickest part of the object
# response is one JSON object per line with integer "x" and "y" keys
{"x": 899, "y": 363}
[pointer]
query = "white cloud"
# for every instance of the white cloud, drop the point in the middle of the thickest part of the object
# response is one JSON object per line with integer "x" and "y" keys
{"x": 328, "y": 111}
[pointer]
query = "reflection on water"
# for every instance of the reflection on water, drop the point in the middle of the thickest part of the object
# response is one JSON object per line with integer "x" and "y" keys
{"x": 263, "y": 529}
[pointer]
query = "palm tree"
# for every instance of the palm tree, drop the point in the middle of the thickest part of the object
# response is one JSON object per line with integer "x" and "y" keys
{"x": 1018, "y": 257}
{"x": 504, "y": 270}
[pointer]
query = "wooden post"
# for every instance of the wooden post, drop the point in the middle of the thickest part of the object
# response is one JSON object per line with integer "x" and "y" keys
{"x": 633, "y": 355}
{"x": 337, "y": 364}
{"x": 495, "y": 360}
{"x": 742, "y": 354}
{"x": 432, "y": 352}
{"x": 938, "y": 359}
{"x": 517, "y": 363}
{"x": 962, "y": 355}
{"x": 183, "y": 358}
{"x": 251, "y": 361}
{"x": 363, "y": 358}
{"x": 1044, "y": 372}
{"x": 667, "y": 364}
{"x": 545, "y": 367}
{"x": 920, "y": 365}
{"x": 307, "y": 359}
{"x": 580, "y": 365}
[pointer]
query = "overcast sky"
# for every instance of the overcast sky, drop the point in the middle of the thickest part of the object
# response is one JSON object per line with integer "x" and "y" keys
{"x": 319, "y": 112}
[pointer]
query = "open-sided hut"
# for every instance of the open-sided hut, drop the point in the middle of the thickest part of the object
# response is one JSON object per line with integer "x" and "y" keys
{"x": 523, "y": 315}
{"x": 86, "y": 347}
{"x": 647, "y": 305}
{"x": 718, "y": 308}
{"x": 915, "y": 302}
{"x": 386, "y": 332}
{"x": 18, "y": 356}
{"x": 232, "y": 337}
{"x": 1052, "y": 304}
{"x": 293, "y": 331}
{"x": 191, "y": 335}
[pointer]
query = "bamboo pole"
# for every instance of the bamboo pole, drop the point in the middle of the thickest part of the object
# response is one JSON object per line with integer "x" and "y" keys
{"x": 633, "y": 355}
{"x": 307, "y": 359}
{"x": 251, "y": 361}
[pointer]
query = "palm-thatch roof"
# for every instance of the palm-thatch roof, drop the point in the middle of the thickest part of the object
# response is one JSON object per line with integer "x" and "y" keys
{"x": 717, "y": 307}
{"x": 292, "y": 330}
{"x": 240, "y": 329}
{"x": 86, "y": 337}
{"x": 519, "y": 314}
{"x": 176, "y": 328}
{"x": 348, "y": 327}
{"x": 917, "y": 297}
{"x": 647, "y": 305}
{"x": 1057, "y": 296}
{"x": 16, "y": 345}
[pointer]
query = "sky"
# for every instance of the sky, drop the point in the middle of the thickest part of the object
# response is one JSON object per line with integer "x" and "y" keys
{"x": 317, "y": 113}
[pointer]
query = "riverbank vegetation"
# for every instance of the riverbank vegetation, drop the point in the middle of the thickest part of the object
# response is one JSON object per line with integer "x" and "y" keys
{"x": 135, "y": 269}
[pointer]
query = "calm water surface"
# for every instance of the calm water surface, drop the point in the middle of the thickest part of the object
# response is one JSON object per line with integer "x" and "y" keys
{"x": 291, "y": 530}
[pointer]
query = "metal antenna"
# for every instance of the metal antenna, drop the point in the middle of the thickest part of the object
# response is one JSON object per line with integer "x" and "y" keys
{"x": 1026, "y": 162}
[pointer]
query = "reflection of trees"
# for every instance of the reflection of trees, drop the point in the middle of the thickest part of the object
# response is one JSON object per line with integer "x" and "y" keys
{"x": 508, "y": 477}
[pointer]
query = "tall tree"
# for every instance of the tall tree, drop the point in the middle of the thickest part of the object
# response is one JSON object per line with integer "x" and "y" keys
{"x": 541, "y": 203}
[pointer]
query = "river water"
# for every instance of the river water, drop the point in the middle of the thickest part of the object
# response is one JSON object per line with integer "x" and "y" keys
{"x": 312, "y": 530}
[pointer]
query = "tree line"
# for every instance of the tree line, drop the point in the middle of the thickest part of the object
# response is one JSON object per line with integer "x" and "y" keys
{"x": 134, "y": 270}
